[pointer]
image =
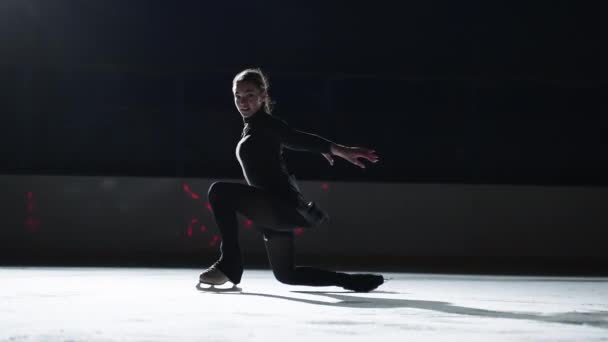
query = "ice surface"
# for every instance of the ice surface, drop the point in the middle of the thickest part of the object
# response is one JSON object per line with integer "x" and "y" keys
{"x": 146, "y": 304}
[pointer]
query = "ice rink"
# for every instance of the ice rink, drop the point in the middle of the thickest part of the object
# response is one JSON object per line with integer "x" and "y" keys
{"x": 161, "y": 304}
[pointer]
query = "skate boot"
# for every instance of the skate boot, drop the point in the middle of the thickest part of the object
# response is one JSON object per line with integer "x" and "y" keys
{"x": 213, "y": 276}
{"x": 362, "y": 282}
{"x": 221, "y": 272}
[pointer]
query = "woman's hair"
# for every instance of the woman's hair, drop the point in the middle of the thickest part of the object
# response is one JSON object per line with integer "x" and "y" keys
{"x": 257, "y": 78}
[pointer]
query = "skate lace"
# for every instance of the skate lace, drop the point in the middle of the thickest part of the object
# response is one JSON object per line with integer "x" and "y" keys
{"x": 212, "y": 268}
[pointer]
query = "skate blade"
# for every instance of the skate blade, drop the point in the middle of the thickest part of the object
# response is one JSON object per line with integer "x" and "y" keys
{"x": 201, "y": 281}
{"x": 216, "y": 288}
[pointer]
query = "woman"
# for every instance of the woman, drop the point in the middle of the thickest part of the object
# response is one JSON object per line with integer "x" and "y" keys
{"x": 272, "y": 198}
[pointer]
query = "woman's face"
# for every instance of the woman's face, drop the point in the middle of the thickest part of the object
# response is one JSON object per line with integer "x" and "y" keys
{"x": 248, "y": 98}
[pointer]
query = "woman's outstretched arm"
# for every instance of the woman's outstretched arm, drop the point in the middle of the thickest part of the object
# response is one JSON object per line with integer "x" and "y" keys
{"x": 298, "y": 140}
{"x": 304, "y": 141}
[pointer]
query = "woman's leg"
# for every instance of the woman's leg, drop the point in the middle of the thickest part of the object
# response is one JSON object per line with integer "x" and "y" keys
{"x": 281, "y": 253}
{"x": 269, "y": 211}
{"x": 263, "y": 208}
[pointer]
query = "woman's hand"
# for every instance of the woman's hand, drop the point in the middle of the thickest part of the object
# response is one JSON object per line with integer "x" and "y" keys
{"x": 351, "y": 154}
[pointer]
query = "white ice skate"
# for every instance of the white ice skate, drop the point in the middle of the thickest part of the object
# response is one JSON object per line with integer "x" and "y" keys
{"x": 213, "y": 276}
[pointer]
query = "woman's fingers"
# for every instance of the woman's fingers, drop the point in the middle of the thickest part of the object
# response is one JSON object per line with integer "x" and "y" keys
{"x": 368, "y": 154}
{"x": 356, "y": 161}
{"x": 371, "y": 157}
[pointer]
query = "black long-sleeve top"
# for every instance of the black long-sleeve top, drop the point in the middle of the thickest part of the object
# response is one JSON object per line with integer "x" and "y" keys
{"x": 260, "y": 153}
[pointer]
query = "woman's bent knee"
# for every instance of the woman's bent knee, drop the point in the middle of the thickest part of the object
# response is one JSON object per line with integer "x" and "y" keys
{"x": 285, "y": 276}
{"x": 215, "y": 190}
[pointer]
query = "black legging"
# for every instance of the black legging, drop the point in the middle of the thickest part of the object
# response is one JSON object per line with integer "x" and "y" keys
{"x": 278, "y": 217}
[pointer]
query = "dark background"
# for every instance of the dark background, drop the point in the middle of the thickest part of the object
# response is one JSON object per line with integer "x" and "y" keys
{"x": 465, "y": 92}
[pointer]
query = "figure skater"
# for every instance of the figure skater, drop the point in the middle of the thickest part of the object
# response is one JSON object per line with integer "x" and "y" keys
{"x": 271, "y": 197}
